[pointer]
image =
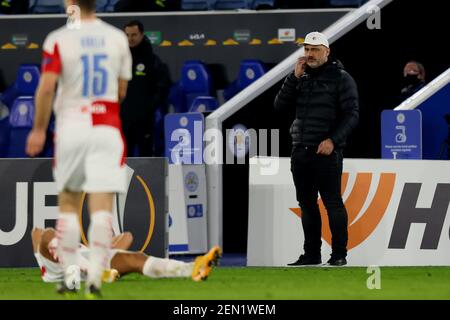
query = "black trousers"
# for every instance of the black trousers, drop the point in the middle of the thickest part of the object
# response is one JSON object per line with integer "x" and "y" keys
{"x": 315, "y": 174}
{"x": 140, "y": 135}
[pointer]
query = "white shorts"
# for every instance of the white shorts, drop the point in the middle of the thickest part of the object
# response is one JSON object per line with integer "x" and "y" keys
{"x": 89, "y": 159}
{"x": 50, "y": 271}
{"x": 83, "y": 259}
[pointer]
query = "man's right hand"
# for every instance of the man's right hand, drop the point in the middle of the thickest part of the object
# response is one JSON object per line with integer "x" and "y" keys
{"x": 300, "y": 67}
{"x": 35, "y": 142}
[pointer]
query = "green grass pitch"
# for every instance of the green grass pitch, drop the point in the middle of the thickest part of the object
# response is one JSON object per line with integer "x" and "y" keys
{"x": 250, "y": 283}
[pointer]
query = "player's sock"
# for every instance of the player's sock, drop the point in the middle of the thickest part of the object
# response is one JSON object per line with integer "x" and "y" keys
{"x": 165, "y": 268}
{"x": 83, "y": 262}
{"x": 68, "y": 235}
{"x": 100, "y": 237}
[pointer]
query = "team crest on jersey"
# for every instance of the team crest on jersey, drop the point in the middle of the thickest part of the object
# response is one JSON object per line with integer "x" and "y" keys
{"x": 140, "y": 69}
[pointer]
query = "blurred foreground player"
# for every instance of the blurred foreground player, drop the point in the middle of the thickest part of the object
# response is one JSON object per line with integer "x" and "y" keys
{"x": 91, "y": 63}
{"x": 120, "y": 261}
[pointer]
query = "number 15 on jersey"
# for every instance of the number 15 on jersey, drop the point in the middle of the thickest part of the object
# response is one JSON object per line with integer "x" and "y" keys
{"x": 95, "y": 75}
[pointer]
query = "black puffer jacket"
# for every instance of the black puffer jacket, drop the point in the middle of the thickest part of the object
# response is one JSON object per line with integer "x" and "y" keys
{"x": 326, "y": 102}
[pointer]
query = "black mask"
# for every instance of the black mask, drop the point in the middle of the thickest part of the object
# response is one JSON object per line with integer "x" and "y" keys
{"x": 411, "y": 79}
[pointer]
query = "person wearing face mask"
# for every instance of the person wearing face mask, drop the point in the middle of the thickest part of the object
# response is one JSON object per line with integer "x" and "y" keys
{"x": 325, "y": 99}
{"x": 413, "y": 79}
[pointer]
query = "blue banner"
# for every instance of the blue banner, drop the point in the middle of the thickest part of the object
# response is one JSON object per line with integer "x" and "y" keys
{"x": 401, "y": 134}
{"x": 183, "y": 134}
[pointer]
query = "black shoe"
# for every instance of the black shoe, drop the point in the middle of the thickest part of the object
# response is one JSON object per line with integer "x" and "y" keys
{"x": 337, "y": 261}
{"x": 305, "y": 260}
{"x": 62, "y": 289}
{"x": 92, "y": 292}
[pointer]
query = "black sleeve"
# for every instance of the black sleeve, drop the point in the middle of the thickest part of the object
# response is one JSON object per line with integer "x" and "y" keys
{"x": 348, "y": 107}
{"x": 286, "y": 96}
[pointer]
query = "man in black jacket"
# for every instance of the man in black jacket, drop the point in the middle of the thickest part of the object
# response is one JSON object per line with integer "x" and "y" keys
{"x": 325, "y": 99}
{"x": 147, "y": 91}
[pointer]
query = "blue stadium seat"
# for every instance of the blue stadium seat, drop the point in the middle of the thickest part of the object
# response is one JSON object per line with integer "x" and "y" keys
{"x": 100, "y": 5}
{"x": 197, "y": 4}
{"x": 256, "y": 4}
{"x": 22, "y": 113}
{"x": 177, "y": 103}
{"x": 195, "y": 77}
{"x": 195, "y": 80}
{"x": 110, "y": 6}
{"x": 347, "y": 3}
{"x": 231, "y": 4}
{"x": 46, "y": 6}
{"x": 27, "y": 79}
{"x": 204, "y": 104}
{"x": 249, "y": 71}
{"x": 21, "y": 122}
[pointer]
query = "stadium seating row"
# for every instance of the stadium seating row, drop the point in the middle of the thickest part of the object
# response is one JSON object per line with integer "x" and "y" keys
{"x": 57, "y": 6}
{"x": 15, "y": 130}
{"x": 194, "y": 92}
{"x": 254, "y": 4}
{"x": 196, "y": 81}
{"x": 225, "y": 4}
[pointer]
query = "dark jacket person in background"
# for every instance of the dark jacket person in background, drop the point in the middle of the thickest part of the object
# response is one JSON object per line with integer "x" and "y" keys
{"x": 147, "y": 91}
{"x": 325, "y": 100}
{"x": 413, "y": 79}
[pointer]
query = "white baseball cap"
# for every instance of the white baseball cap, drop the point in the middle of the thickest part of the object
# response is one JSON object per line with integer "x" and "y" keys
{"x": 316, "y": 39}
